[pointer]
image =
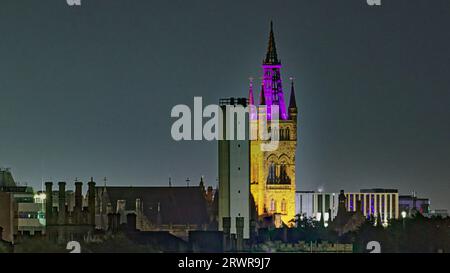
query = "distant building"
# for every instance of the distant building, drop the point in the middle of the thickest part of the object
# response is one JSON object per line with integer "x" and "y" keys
{"x": 174, "y": 209}
{"x": 19, "y": 212}
{"x": 315, "y": 205}
{"x": 412, "y": 204}
{"x": 438, "y": 213}
{"x": 375, "y": 201}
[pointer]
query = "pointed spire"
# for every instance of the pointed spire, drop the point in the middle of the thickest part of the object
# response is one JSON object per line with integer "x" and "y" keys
{"x": 271, "y": 55}
{"x": 251, "y": 99}
{"x": 202, "y": 184}
{"x": 292, "y": 102}
{"x": 262, "y": 97}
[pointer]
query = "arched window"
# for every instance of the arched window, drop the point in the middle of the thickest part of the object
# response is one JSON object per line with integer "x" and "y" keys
{"x": 272, "y": 173}
{"x": 283, "y": 176}
{"x": 273, "y": 205}
{"x": 283, "y": 206}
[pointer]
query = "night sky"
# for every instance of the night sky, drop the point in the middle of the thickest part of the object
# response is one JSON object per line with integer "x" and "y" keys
{"x": 87, "y": 91}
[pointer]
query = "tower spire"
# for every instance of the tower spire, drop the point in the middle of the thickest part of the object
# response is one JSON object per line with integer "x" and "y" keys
{"x": 262, "y": 97}
{"x": 271, "y": 55}
{"x": 292, "y": 102}
{"x": 251, "y": 99}
{"x": 272, "y": 79}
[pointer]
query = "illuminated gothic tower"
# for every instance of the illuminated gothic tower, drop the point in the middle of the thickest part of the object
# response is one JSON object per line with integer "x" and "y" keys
{"x": 272, "y": 173}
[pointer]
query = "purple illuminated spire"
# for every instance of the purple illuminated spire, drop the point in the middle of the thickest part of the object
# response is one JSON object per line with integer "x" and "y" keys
{"x": 273, "y": 91}
{"x": 262, "y": 97}
{"x": 292, "y": 102}
{"x": 251, "y": 99}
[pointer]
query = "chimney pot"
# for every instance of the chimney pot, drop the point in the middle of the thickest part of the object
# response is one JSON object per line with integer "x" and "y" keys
{"x": 62, "y": 203}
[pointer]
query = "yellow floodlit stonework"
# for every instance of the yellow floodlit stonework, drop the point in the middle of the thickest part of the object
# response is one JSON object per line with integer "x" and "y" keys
{"x": 272, "y": 174}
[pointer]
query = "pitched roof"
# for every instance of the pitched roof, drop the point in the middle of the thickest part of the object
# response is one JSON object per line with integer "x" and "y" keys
{"x": 177, "y": 205}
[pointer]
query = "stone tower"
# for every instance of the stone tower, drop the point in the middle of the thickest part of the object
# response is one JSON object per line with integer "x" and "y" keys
{"x": 272, "y": 173}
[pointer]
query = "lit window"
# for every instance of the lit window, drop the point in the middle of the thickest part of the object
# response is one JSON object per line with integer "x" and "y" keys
{"x": 273, "y": 205}
{"x": 283, "y": 206}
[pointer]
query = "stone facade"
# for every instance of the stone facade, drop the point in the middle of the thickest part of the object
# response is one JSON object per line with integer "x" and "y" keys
{"x": 274, "y": 196}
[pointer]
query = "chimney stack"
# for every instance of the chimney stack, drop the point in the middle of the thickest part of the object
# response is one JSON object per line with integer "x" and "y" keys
{"x": 116, "y": 223}
{"x": 91, "y": 201}
{"x": 159, "y": 216}
{"x": 138, "y": 213}
{"x": 131, "y": 221}
{"x": 62, "y": 203}
{"x": 78, "y": 201}
{"x": 49, "y": 203}
{"x": 120, "y": 209}
{"x": 109, "y": 208}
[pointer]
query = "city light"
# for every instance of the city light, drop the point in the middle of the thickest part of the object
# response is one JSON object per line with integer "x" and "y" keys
{"x": 40, "y": 196}
{"x": 403, "y": 214}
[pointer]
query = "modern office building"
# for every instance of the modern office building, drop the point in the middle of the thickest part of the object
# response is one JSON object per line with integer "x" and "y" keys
{"x": 375, "y": 201}
{"x": 30, "y": 214}
{"x": 412, "y": 204}
{"x": 315, "y": 205}
{"x": 19, "y": 213}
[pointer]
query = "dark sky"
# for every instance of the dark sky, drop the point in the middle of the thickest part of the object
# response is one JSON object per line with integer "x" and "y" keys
{"x": 88, "y": 91}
